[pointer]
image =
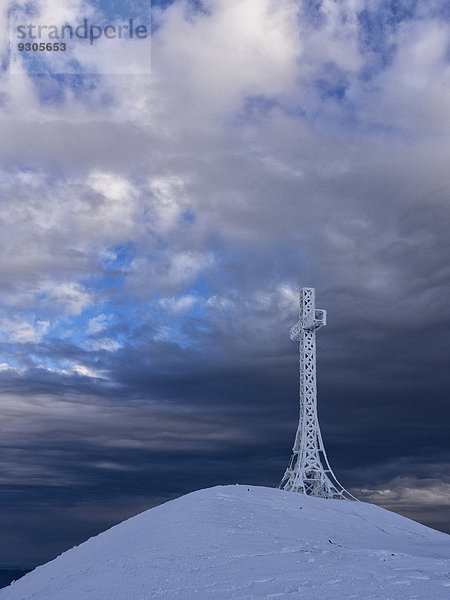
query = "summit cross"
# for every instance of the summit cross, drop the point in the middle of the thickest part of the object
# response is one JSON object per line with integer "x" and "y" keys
{"x": 309, "y": 471}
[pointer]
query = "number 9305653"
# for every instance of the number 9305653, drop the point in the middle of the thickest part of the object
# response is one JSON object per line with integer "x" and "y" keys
{"x": 42, "y": 47}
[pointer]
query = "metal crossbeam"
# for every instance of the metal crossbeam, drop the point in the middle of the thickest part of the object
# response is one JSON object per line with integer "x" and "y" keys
{"x": 309, "y": 471}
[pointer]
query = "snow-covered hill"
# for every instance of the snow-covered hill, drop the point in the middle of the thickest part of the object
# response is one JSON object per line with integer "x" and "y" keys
{"x": 247, "y": 542}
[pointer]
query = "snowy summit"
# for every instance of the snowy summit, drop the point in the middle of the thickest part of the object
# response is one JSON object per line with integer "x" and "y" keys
{"x": 231, "y": 542}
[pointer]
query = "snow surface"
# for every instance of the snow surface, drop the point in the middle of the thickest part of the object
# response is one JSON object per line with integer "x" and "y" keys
{"x": 248, "y": 542}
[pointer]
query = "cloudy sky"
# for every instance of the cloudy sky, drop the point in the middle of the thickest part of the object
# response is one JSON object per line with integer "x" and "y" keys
{"x": 156, "y": 229}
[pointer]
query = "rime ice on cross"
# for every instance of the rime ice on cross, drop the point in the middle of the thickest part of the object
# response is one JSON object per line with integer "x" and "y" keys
{"x": 309, "y": 471}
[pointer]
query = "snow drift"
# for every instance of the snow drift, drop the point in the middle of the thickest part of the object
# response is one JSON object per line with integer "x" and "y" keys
{"x": 247, "y": 542}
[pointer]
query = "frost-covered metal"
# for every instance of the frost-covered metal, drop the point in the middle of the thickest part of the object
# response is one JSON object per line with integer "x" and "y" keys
{"x": 309, "y": 471}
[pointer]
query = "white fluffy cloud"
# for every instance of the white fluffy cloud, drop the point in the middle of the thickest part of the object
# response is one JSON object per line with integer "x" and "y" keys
{"x": 97, "y": 324}
{"x": 235, "y": 50}
{"x": 105, "y": 343}
{"x": 71, "y": 297}
{"x": 179, "y": 305}
{"x": 23, "y": 331}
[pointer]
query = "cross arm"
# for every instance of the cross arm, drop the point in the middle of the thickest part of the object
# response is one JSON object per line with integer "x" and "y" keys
{"x": 310, "y": 322}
